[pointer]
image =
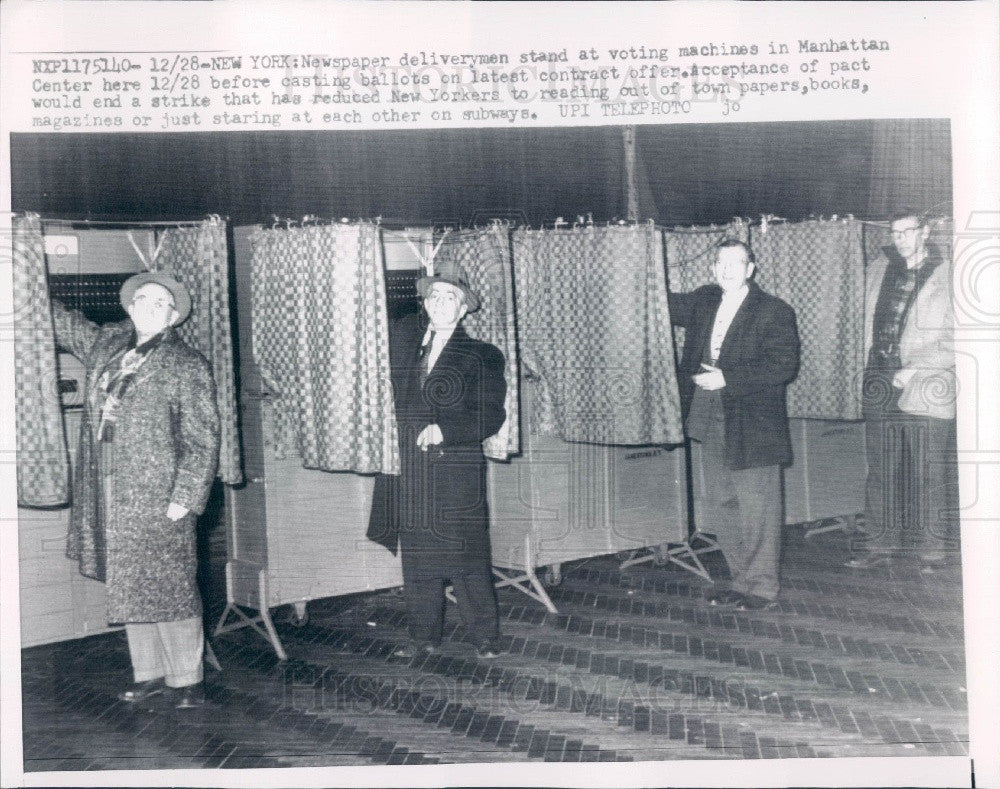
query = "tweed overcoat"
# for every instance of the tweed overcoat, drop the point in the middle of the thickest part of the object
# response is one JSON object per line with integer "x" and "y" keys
{"x": 927, "y": 342}
{"x": 165, "y": 449}
{"x": 436, "y": 508}
{"x": 759, "y": 358}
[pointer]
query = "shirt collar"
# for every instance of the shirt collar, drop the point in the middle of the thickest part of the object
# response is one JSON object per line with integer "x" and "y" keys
{"x": 441, "y": 336}
{"x": 736, "y": 295}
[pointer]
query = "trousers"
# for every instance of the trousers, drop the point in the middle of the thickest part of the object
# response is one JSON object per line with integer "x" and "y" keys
{"x": 172, "y": 650}
{"x": 477, "y": 603}
{"x": 911, "y": 493}
{"x": 742, "y": 508}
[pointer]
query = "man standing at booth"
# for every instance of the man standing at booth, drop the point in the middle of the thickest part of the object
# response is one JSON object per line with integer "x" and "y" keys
{"x": 741, "y": 350}
{"x": 909, "y": 401}
{"x": 449, "y": 395}
{"x": 149, "y": 445}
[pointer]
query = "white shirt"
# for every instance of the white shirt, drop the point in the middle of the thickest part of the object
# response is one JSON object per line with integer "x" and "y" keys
{"x": 730, "y": 305}
{"x": 440, "y": 340}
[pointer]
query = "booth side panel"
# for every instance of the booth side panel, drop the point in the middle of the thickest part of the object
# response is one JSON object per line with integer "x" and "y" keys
{"x": 578, "y": 500}
{"x": 316, "y": 535}
{"x": 512, "y": 510}
{"x": 837, "y": 467}
{"x": 650, "y": 496}
{"x": 304, "y": 528}
{"x": 826, "y": 478}
{"x": 247, "y": 507}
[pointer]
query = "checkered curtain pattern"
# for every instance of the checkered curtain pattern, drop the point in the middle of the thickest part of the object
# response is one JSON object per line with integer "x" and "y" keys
{"x": 321, "y": 342}
{"x": 483, "y": 256}
{"x": 818, "y": 268}
{"x": 42, "y": 458}
{"x": 197, "y": 257}
{"x": 876, "y": 237}
{"x": 591, "y": 305}
{"x": 691, "y": 253}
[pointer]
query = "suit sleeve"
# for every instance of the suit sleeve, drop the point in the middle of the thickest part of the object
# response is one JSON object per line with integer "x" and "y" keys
{"x": 682, "y": 308}
{"x": 483, "y": 412}
{"x": 777, "y": 363}
{"x": 73, "y": 331}
{"x": 197, "y": 438}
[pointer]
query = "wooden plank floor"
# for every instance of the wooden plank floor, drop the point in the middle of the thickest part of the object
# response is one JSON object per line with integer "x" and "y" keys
{"x": 636, "y": 666}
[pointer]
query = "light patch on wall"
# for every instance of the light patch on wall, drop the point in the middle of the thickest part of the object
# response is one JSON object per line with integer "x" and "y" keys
{"x": 61, "y": 246}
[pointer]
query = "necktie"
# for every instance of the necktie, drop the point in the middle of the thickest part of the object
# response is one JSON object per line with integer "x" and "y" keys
{"x": 425, "y": 356}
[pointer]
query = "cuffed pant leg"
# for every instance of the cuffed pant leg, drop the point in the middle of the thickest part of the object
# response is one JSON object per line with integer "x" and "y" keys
{"x": 425, "y": 608}
{"x": 183, "y": 645}
{"x": 759, "y": 493}
{"x": 477, "y": 603}
{"x": 146, "y": 652}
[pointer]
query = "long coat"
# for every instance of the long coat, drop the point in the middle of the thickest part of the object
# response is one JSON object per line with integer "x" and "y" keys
{"x": 927, "y": 342}
{"x": 164, "y": 449}
{"x": 759, "y": 358}
{"x": 436, "y": 508}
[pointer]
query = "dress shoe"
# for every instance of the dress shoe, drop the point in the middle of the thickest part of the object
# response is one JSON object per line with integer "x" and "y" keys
{"x": 752, "y": 602}
{"x": 190, "y": 696}
{"x": 868, "y": 561}
{"x": 488, "y": 650}
{"x": 410, "y": 651}
{"x": 937, "y": 562}
{"x": 140, "y": 691}
{"x": 725, "y": 597}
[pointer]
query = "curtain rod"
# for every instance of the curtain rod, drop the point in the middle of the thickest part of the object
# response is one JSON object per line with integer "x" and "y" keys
{"x": 122, "y": 223}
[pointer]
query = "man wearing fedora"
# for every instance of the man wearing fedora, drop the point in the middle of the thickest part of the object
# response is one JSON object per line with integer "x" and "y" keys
{"x": 149, "y": 443}
{"x": 449, "y": 395}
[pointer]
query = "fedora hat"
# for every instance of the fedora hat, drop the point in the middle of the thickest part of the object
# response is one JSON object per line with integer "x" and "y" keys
{"x": 454, "y": 279}
{"x": 182, "y": 299}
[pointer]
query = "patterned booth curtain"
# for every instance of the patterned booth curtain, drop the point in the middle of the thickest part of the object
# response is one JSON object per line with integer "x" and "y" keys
{"x": 818, "y": 268}
{"x": 198, "y": 258}
{"x": 321, "y": 341}
{"x": 691, "y": 253}
{"x": 42, "y": 459}
{"x": 592, "y": 304}
{"x": 876, "y": 238}
{"x": 483, "y": 256}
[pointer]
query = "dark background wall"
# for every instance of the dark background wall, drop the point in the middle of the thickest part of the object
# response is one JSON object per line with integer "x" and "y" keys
{"x": 686, "y": 173}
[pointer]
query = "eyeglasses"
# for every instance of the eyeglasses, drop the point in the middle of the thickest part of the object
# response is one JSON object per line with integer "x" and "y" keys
{"x": 904, "y": 232}
{"x": 158, "y": 303}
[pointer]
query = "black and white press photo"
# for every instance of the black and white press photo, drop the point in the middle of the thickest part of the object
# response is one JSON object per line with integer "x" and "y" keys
{"x": 532, "y": 394}
{"x": 592, "y": 444}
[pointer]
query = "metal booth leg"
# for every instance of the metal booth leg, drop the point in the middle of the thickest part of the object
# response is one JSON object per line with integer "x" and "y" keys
{"x": 210, "y": 657}
{"x": 263, "y": 616}
{"x": 684, "y": 555}
{"x": 524, "y": 579}
{"x": 845, "y": 523}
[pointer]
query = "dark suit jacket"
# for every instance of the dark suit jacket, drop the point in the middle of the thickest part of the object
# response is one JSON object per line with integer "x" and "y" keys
{"x": 759, "y": 358}
{"x": 436, "y": 507}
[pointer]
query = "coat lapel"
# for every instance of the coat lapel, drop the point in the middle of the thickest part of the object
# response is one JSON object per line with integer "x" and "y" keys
{"x": 699, "y": 339}
{"x": 740, "y": 320}
{"x": 156, "y": 361}
{"x": 451, "y": 351}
